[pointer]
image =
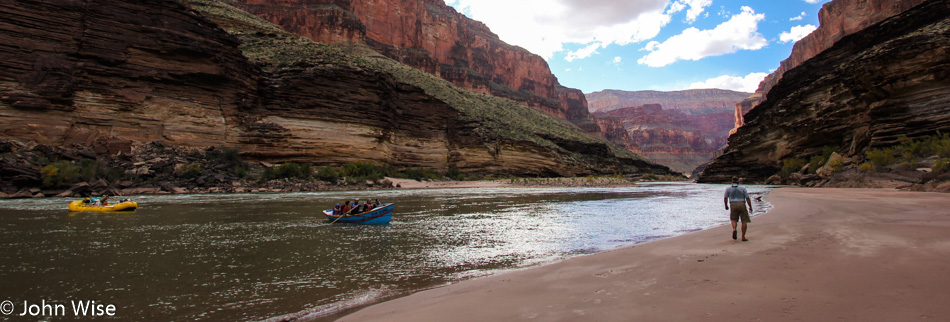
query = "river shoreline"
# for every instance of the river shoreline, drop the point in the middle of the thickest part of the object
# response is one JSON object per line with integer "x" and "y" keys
{"x": 281, "y": 186}
{"x": 36, "y": 171}
{"x": 819, "y": 254}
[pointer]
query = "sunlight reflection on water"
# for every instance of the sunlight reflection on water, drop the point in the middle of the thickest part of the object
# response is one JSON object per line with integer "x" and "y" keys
{"x": 255, "y": 256}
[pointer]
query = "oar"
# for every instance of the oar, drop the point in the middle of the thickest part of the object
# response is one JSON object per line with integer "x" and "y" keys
{"x": 338, "y": 218}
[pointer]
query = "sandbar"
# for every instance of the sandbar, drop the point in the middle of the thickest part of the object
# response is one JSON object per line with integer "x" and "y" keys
{"x": 820, "y": 254}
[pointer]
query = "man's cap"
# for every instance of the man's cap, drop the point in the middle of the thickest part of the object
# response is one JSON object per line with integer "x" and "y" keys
{"x": 735, "y": 179}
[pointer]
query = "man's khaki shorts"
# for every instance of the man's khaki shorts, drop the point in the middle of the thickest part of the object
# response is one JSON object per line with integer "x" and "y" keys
{"x": 737, "y": 210}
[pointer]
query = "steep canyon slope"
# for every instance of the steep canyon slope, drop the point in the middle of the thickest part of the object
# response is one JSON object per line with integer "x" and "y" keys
{"x": 433, "y": 37}
{"x": 679, "y": 129}
{"x": 870, "y": 88}
{"x": 837, "y": 19}
{"x": 102, "y": 72}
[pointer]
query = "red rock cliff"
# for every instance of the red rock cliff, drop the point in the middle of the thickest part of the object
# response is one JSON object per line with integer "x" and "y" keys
{"x": 432, "y": 36}
{"x": 837, "y": 19}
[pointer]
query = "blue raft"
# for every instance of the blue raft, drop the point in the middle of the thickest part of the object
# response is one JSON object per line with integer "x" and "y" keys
{"x": 376, "y": 216}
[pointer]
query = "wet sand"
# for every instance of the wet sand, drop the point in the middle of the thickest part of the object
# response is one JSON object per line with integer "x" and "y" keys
{"x": 820, "y": 254}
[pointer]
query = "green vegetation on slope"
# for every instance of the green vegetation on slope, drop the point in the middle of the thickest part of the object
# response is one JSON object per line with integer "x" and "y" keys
{"x": 910, "y": 153}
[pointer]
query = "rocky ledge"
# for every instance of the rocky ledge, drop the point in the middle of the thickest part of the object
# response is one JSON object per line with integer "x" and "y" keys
{"x": 26, "y": 171}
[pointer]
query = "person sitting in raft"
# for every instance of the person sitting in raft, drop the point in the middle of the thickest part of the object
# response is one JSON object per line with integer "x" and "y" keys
{"x": 367, "y": 206}
{"x": 103, "y": 200}
{"x": 345, "y": 208}
{"x": 357, "y": 207}
{"x": 336, "y": 210}
{"x": 86, "y": 201}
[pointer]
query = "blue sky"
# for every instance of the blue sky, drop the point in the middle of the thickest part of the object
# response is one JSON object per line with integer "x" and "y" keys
{"x": 662, "y": 45}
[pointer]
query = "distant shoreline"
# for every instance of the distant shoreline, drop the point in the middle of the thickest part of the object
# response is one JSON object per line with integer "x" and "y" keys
{"x": 516, "y": 182}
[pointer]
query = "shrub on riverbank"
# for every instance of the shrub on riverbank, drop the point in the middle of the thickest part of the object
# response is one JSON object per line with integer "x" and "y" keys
{"x": 328, "y": 174}
{"x": 288, "y": 170}
{"x": 930, "y": 151}
{"x": 59, "y": 174}
{"x": 791, "y": 165}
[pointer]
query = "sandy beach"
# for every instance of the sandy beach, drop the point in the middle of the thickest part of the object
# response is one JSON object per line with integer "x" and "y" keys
{"x": 819, "y": 255}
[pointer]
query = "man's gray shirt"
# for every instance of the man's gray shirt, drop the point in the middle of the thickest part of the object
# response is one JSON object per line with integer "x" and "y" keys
{"x": 736, "y": 194}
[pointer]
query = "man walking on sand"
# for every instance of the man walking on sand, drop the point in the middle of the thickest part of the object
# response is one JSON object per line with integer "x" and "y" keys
{"x": 737, "y": 197}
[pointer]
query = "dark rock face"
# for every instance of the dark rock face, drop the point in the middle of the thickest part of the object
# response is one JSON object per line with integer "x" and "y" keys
{"x": 431, "y": 36}
{"x": 837, "y": 19}
{"x": 108, "y": 74}
{"x": 72, "y": 72}
{"x": 888, "y": 80}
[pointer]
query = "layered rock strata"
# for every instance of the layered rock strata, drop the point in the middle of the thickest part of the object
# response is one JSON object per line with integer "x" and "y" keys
{"x": 111, "y": 73}
{"x": 867, "y": 90}
{"x": 837, "y": 19}
{"x": 433, "y": 37}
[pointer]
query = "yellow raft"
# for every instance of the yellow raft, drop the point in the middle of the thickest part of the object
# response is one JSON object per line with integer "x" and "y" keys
{"x": 123, "y": 206}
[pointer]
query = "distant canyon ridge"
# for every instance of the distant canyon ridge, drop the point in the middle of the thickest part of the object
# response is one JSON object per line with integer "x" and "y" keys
{"x": 679, "y": 129}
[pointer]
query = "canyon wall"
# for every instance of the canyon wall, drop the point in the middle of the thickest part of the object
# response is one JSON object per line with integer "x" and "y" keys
{"x": 72, "y": 73}
{"x": 679, "y": 129}
{"x": 836, "y": 19}
{"x": 867, "y": 90}
{"x": 433, "y": 37}
{"x": 111, "y": 74}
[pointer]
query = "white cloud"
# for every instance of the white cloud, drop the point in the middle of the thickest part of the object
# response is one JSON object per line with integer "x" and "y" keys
{"x": 696, "y": 8}
{"x": 799, "y": 17}
{"x": 747, "y": 83}
{"x": 617, "y": 59}
{"x": 544, "y": 26}
{"x": 738, "y": 33}
{"x": 583, "y": 52}
{"x": 812, "y": 1}
{"x": 796, "y": 33}
{"x": 676, "y": 7}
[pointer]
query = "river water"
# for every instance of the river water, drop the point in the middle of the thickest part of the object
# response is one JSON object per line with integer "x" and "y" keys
{"x": 261, "y": 256}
